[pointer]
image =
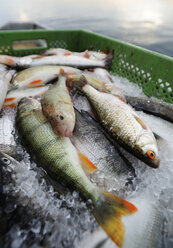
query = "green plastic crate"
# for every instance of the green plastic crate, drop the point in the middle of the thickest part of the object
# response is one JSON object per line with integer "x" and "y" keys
{"x": 150, "y": 70}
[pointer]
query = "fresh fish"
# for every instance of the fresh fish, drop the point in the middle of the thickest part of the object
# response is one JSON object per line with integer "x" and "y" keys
{"x": 97, "y": 84}
{"x": 147, "y": 223}
{"x": 14, "y": 96}
{"x": 91, "y": 141}
{"x": 60, "y": 158}
{"x": 57, "y": 106}
{"x": 86, "y": 54}
{"x": 4, "y": 84}
{"x": 40, "y": 75}
{"x": 121, "y": 121}
{"x": 101, "y": 73}
{"x": 3, "y": 68}
{"x": 70, "y": 60}
{"x": 152, "y": 106}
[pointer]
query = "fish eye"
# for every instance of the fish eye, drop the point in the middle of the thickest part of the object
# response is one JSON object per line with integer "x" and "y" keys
{"x": 6, "y": 161}
{"x": 151, "y": 154}
{"x": 61, "y": 117}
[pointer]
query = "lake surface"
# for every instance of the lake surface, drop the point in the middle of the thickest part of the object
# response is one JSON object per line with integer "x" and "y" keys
{"x": 144, "y": 22}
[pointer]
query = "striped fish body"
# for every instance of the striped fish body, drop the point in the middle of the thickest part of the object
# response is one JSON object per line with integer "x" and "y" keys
{"x": 124, "y": 124}
{"x": 57, "y": 155}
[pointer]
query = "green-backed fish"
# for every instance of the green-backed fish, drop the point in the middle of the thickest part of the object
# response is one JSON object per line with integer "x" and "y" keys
{"x": 40, "y": 75}
{"x": 123, "y": 123}
{"x": 59, "y": 157}
{"x": 70, "y": 60}
{"x": 57, "y": 106}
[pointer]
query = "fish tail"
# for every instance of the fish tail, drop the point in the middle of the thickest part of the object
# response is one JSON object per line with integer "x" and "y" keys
{"x": 7, "y": 60}
{"x": 108, "y": 60}
{"x": 108, "y": 211}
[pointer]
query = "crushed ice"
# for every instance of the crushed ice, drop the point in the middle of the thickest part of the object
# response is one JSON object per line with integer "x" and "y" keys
{"x": 50, "y": 219}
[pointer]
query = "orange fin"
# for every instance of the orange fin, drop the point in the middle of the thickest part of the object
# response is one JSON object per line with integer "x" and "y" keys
{"x": 88, "y": 166}
{"x": 67, "y": 54}
{"x": 35, "y": 82}
{"x": 61, "y": 71}
{"x": 9, "y": 99}
{"x": 140, "y": 122}
{"x": 9, "y": 61}
{"x": 108, "y": 211}
{"x": 69, "y": 74}
{"x": 86, "y": 54}
{"x": 13, "y": 105}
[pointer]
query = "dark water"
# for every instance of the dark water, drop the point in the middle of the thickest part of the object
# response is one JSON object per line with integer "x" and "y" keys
{"x": 141, "y": 22}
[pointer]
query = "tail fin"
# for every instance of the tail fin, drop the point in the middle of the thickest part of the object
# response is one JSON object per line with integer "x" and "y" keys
{"x": 7, "y": 60}
{"x": 108, "y": 211}
{"x": 108, "y": 60}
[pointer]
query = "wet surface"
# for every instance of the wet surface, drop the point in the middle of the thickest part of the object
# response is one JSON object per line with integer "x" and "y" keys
{"x": 144, "y": 23}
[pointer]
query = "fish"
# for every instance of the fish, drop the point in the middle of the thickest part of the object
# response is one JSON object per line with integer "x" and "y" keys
{"x": 123, "y": 123}
{"x": 97, "y": 83}
{"x": 14, "y": 96}
{"x": 90, "y": 140}
{"x": 5, "y": 78}
{"x": 147, "y": 223}
{"x": 40, "y": 75}
{"x": 152, "y": 106}
{"x": 57, "y": 106}
{"x": 71, "y": 60}
{"x": 101, "y": 74}
{"x": 60, "y": 158}
{"x": 3, "y": 68}
{"x": 86, "y": 54}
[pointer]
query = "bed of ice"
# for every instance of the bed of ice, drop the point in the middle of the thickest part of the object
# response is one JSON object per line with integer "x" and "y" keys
{"x": 41, "y": 217}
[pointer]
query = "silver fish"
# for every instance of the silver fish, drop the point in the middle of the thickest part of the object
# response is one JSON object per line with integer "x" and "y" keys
{"x": 70, "y": 60}
{"x": 123, "y": 123}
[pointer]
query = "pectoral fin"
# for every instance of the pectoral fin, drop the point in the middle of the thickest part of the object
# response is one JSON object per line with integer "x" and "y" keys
{"x": 88, "y": 166}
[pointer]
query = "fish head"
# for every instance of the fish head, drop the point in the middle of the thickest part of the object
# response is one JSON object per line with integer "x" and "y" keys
{"x": 148, "y": 149}
{"x": 63, "y": 123}
{"x": 27, "y": 104}
{"x": 7, "y": 161}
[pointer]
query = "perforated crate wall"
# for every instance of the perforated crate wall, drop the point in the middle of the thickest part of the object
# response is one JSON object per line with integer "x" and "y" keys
{"x": 150, "y": 70}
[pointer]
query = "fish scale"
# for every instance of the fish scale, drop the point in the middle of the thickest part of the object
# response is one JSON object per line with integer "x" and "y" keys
{"x": 36, "y": 125}
{"x": 60, "y": 159}
{"x": 114, "y": 114}
{"x": 123, "y": 123}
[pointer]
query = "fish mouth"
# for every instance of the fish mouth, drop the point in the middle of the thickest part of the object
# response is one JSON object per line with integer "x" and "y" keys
{"x": 67, "y": 133}
{"x": 62, "y": 131}
{"x": 155, "y": 164}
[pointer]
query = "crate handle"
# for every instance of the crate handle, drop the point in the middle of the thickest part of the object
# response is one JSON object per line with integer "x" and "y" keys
{"x": 29, "y": 44}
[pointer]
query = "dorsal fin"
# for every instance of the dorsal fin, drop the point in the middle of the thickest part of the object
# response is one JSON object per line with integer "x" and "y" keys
{"x": 143, "y": 125}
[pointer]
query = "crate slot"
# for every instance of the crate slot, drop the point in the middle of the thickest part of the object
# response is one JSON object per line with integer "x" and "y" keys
{"x": 29, "y": 44}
